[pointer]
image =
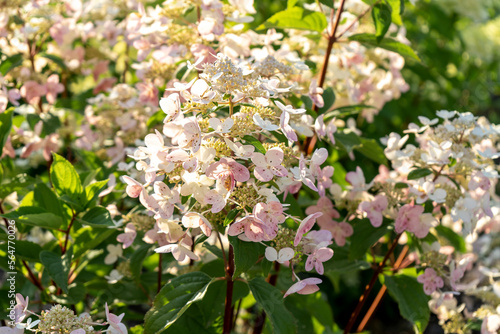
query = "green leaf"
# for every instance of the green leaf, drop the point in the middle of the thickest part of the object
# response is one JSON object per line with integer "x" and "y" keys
{"x": 65, "y": 179}
{"x": 398, "y": 7}
{"x": 455, "y": 239}
{"x": 382, "y": 18}
{"x": 296, "y": 18}
{"x": 137, "y": 259}
{"x": 57, "y": 267}
{"x": 45, "y": 198}
{"x": 89, "y": 238}
{"x": 55, "y": 59}
{"x": 257, "y": 144}
{"x": 328, "y": 3}
{"x": 246, "y": 255}
{"x": 368, "y": 147}
{"x": 291, "y": 3}
{"x": 174, "y": 299}
{"x": 93, "y": 190}
{"x": 97, "y": 217}
{"x": 5, "y": 126}
{"x": 231, "y": 216}
{"x": 10, "y": 63}
{"x": 28, "y": 250}
{"x": 329, "y": 98}
{"x": 270, "y": 299}
{"x": 35, "y": 216}
{"x": 386, "y": 43}
{"x": 364, "y": 236}
{"x": 411, "y": 299}
{"x": 419, "y": 173}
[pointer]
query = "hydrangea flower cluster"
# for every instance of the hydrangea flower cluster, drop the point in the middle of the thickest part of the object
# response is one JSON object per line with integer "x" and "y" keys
{"x": 218, "y": 153}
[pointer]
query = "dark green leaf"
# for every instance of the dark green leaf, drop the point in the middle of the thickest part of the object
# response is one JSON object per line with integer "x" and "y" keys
{"x": 214, "y": 250}
{"x": 97, "y": 217}
{"x": 419, "y": 173}
{"x": 55, "y": 59}
{"x": 257, "y": 144}
{"x": 328, "y": 3}
{"x": 57, "y": 270}
{"x": 270, "y": 299}
{"x": 386, "y": 43}
{"x": 35, "y": 216}
{"x": 174, "y": 299}
{"x": 5, "y": 126}
{"x": 89, "y": 238}
{"x": 411, "y": 299}
{"x": 455, "y": 239}
{"x": 137, "y": 259}
{"x": 28, "y": 250}
{"x": 10, "y": 63}
{"x": 382, "y": 17}
{"x": 231, "y": 216}
{"x": 65, "y": 179}
{"x": 364, "y": 236}
{"x": 329, "y": 98}
{"x": 368, "y": 147}
{"x": 296, "y": 18}
{"x": 246, "y": 255}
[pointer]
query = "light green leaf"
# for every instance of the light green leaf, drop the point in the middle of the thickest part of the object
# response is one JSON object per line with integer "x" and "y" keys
{"x": 5, "y": 126}
{"x": 65, "y": 179}
{"x": 10, "y": 63}
{"x": 386, "y": 43}
{"x": 174, "y": 299}
{"x": 291, "y": 3}
{"x": 57, "y": 267}
{"x": 97, "y": 217}
{"x": 296, "y": 18}
{"x": 398, "y": 7}
{"x": 368, "y": 147}
{"x": 87, "y": 238}
{"x": 382, "y": 17}
{"x": 246, "y": 255}
{"x": 45, "y": 198}
{"x": 411, "y": 299}
{"x": 93, "y": 190}
{"x": 270, "y": 299}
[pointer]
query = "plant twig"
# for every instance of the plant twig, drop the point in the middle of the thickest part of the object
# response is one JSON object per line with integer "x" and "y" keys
{"x": 381, "y": 293}
{"x": 32, "y": 277}
{"x": 66, "y": 238}
{"x": 228, "y": 307}
{"x": 370, "y": 285}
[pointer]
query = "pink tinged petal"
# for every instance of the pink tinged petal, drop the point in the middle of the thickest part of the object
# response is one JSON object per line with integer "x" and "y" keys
{"x": 154, "y": 141}
{"x": 310, "y": 262}
{"x": 306, "y": 226}
{"x": 279, "y": 171}
{"x": 271, "y": 254}
{"x": 274, "y": 156}
{"x": 237, "y": 228}
{"x": 190, "y": 165}
{"x": 375, "y": 218}
{"x": 295, "y": 288}
{"x": 319, "y": 156}
{"x": 304, "y": 287}
{"x": 259, "y": 160}
{"x": 263, "y": 174}
{"x": 177, "y": 156}
{"x": 286, "y": 254}
{"x": 241, "y": 173}
{"x": 324, "y": 254}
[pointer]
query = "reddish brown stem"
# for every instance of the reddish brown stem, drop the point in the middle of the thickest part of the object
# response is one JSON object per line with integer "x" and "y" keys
{"x": 370, "y": 285}
{"x": 32, "y": 277}
{"x": 381, "y": 293}
{"x": 228, "y": 307}
{"x": 66, "y": 238}
{"x": 159, "y": 271}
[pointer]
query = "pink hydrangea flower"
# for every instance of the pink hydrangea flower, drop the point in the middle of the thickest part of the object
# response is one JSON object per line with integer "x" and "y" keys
{"x": 128, "y": 237}
{"x": 408, "y": 218}
{"x": 304, "y": 287}
{"x": 306, "y": 225}
{"x": 53, "y": 88}
{"x": 317, "y": 258}
{"x": 253, "y": 228}
{"x": 315, "y": 93}
{"x": 32, "y": 91}
{"x": 227, "y": 171}
{"x": 268, "y": 165}
{"x": 430, "y": 280}
{"x": 324, "y": 206}
{"x": 340, "y": 231}
{"x": 374, "y": 209}
{"x": 115, "y": 322}
{"x": 195, "y": 220}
